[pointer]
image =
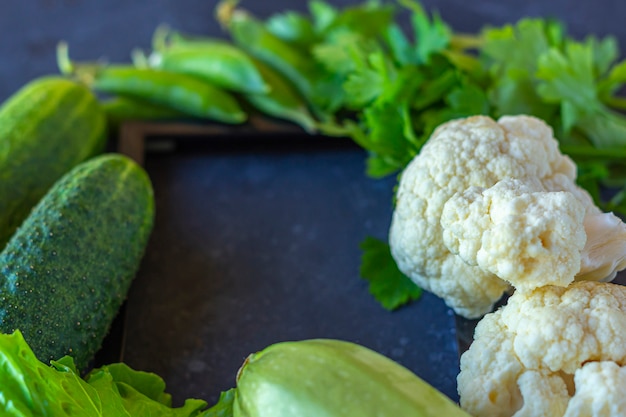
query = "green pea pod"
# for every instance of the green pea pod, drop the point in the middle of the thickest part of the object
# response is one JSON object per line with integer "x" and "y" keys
{"x": 282, "y": 101}
{"x": 121, "y": 109}
{"x": 253, "y": 36}
{"x": 216, "y": 61}
{"x": 180, "y": 92}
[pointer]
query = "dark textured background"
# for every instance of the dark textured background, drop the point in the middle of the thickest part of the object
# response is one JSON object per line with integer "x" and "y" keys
{"x": 257, "y": 242}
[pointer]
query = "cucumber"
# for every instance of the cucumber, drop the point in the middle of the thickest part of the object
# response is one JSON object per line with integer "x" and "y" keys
{"x": 46, "y": 128}
{"x": 333, "y": 378}
{"x": 67, "y": 269}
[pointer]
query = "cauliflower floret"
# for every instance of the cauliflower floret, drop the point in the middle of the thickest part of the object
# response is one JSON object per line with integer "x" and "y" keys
{"x": 599, "y": 391}
{"x": 548, "y": 352}
{"x": 517, "y": 231}
{"x": 488, "y": 204}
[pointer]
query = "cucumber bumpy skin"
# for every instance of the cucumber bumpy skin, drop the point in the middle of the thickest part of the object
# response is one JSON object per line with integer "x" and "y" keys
{"x": 67, "y": 270}
{"x": 47, "y": 127}
{"x": 333, "y": 378}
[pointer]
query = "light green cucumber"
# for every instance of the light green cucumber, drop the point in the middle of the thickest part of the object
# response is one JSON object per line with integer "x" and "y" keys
{"x": 333, "y": 378}
{"x": 46, "y": 128}
{"x": 66, "y": 271}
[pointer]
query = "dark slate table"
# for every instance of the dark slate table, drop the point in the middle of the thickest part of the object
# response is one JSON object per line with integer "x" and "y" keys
{"x": 256, "y": 241}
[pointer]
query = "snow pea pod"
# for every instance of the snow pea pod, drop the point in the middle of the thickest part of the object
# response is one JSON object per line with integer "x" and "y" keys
{"x": 180, "y": 92}
{"x": 216, "y": 61}
{"x": 253, "y": 36}
{"x": 282, "y": 101}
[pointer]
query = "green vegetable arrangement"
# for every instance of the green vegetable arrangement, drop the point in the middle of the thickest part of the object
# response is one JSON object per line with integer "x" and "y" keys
{"x": 29, "y": 387}
{"x": 358, "y": 73}
{"x": 354, "y": 72}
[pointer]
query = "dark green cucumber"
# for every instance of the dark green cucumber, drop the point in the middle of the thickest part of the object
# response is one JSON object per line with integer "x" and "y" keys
{"x": 46, "y": 128}
{"x": 333, "y": 378}
{"x": 67, "y": 269}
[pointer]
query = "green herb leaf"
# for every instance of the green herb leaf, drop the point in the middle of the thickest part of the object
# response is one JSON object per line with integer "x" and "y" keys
{"x": 369, "y": 80}
{"x": 387, "y": 284}
{"x": 369, "y": 19}
{"x": 340, "y": 53}
{"x": 323, "y": 14}
{"x": 510, "y": 53}
{"x": 401, "y": 48}
{"x": 432, "y": 34}
{"x": 608, "y": 86}
{"x": 605, "y": 53}
{"x": 569, "y": 78}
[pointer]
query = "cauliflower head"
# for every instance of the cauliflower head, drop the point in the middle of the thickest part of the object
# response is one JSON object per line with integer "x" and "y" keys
{"x": 553, "y": 351}
{"x": 488, "y": 206}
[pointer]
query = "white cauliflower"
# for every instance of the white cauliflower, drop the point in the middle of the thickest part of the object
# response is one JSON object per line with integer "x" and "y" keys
{"x": 486, "y": 205}
{"x": 552, "y": 351}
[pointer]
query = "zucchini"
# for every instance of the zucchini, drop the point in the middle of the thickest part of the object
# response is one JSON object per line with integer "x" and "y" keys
{"x": 46, "y": 128}
{"x": 67, "y": 269}
{"x": 333, "y": 378}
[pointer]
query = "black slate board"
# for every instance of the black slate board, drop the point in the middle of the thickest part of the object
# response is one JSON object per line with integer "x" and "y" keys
{"x": 256, "y": 241}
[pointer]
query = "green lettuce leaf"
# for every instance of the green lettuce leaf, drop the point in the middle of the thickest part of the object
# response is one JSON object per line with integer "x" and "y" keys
{"x": 224, "y": 405}
{"x": 28, "y": 387}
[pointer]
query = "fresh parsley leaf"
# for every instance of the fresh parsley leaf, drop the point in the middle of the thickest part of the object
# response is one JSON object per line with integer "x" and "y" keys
{"x": 323, "y": 15}
{"x": 518, "y": 96}
{"x": 372, "y": 78}
{"x": 604, "y": 128}
{"x": 401, "y": 48}
{"x": 605, "y": 53}
{"x": 569, "y": 78}
{"x": 608, "y": 86}
{"x": 343, "y": 52}
{"x": 363, "y": 87}
{"x": 464, "y": 100}
{"x": 387, "y": 125}
{"x": 432, "y": 34}
{"x": 510, "y": 54}
{"x": 387, "y": 284}
{"x": 512, "y": 50}
{"x": 434, "y": 89}
{"x": 468, "y": 99}
{"x": 379, "y": 166}
{"x": 369, "y": 19}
